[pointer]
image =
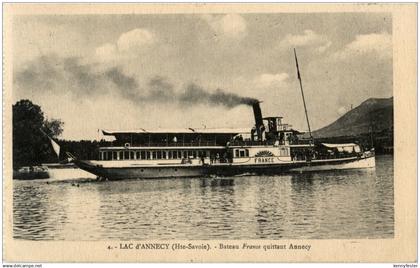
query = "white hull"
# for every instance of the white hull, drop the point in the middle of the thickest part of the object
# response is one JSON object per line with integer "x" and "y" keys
{"x": 226, "y": 169}
{"x": 359, "y": 164}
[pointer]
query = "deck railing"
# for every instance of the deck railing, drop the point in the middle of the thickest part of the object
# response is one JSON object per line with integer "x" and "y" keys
{"x": 172, "y": 144}
{"x": 208, "y": 143}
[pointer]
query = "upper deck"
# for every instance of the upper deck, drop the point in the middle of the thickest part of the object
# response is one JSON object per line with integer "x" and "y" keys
{"x": 189, "y": 137}
{"x": 276, "y": 134}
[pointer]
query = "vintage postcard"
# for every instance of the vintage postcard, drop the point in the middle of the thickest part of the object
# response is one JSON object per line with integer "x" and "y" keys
{"x": 209, "y": 132}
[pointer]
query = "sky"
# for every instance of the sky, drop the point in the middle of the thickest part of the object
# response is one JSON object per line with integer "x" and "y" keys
{"x": 122, "y": 72}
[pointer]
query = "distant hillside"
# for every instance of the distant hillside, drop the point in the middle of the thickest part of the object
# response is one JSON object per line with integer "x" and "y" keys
{"x": 373, "y": 115}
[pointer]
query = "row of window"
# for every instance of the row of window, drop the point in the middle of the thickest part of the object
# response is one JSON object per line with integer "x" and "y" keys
{"x": 134, "y": 155}
{"x": 241, "y": 153}
{"x": 245, "y": 152}
{"x": 158, "y": 154}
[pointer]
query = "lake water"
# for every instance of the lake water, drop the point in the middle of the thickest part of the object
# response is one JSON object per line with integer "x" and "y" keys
{"x": 345, "y": 204}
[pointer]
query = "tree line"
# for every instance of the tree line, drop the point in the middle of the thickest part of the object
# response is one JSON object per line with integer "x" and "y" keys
{"x": 32, "y": 147}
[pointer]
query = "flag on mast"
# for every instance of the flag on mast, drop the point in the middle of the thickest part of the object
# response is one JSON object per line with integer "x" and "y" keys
{"x": 297, "y": 65}
{"x": 54, "y": 144}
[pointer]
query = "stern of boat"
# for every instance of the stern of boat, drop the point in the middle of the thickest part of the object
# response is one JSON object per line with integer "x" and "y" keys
{"x": 87, "y": 165}
{"x": 368, "y": 159}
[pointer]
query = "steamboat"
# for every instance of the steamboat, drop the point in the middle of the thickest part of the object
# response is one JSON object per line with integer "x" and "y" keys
{"x": 269, "y": 147}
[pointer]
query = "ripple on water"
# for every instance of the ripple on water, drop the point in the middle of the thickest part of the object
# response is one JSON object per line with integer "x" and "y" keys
{"x": 346, "y": 204}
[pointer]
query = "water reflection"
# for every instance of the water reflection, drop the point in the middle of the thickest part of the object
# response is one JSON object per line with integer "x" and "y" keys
{"x": 345, "y": 204}
{"x": 302, "y": 183}
{"x": 39, "y": 214}
{"x": 270, "y": 214}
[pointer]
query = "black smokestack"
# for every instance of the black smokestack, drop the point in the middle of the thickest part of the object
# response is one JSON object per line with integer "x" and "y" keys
{"x": 259, "y": 125}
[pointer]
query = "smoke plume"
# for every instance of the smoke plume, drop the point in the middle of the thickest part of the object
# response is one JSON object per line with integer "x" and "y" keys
{"x": 62, "y": 75}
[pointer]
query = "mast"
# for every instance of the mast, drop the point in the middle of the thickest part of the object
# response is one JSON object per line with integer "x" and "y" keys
{"x": 303, "y": 96}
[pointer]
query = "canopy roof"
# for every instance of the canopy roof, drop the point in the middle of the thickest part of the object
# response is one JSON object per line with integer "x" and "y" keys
{"x": 331, "y": 145}
{"x": 344, "y": 147}
{"x": 178, "y": 131}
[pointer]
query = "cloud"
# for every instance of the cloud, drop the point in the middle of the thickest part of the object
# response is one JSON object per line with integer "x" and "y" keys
{"x": 134, "y": 39}
{"x": 106, "y": 51}
{"x": 230, "y": 25}
{"x": 378, "y": 43}
{"x": 131, "y": 41}
{"x": 309, "y": 38}
{"x": 267, "y": 80}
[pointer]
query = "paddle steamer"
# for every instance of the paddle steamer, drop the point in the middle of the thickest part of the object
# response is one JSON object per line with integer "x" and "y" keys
{"x": 270, "y": 147}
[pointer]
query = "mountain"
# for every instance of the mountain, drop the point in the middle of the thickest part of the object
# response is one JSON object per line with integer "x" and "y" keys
{"x": 372, "y": 116}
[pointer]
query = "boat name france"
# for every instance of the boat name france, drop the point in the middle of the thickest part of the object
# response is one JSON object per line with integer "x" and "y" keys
{"x": 264, "y": 160}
